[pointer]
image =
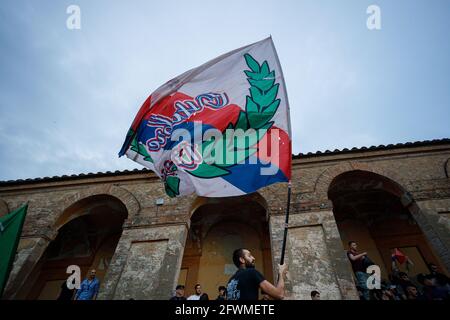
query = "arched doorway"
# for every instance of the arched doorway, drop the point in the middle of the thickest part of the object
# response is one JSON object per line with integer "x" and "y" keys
{"x": 375, "y": 212}
{"x": 218, "y": 227}
{"x": 88, "y": 233}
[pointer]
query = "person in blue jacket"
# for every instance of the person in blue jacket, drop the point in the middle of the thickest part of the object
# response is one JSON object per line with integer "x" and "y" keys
{"x": 88, "y": 288}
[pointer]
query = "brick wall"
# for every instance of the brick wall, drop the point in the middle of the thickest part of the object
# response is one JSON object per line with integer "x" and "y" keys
{"x": 421, "y": 171}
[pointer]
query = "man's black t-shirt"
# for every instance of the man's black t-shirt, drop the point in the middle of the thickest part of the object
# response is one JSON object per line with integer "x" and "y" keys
{"x": 244, "y": 285}
{"x": 358, "y": 264}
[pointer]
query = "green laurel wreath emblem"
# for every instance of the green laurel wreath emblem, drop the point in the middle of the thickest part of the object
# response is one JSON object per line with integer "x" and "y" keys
{"x": 261, "y": 105}
{"x": 140, "y": 149}
{"x": 172, "y": 186}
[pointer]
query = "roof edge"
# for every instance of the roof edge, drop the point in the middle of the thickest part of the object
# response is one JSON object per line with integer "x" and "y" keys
{"x": 294, "y": 157}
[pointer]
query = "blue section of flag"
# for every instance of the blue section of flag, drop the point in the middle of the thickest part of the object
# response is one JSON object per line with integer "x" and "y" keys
{"x": 248, "y": 178}
{"x": 145, "y": 133}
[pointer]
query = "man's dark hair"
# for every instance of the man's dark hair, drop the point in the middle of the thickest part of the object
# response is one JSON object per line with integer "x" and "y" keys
{"x": 222, "y": 288}
{"x": 401, "y": 274}
{"x": 314, "y": 293}
{"x": 350, "y": 243}
{"x": 238, "y": 253}
{"x": 180, "y": 286}
{"x": 197, "y": 285}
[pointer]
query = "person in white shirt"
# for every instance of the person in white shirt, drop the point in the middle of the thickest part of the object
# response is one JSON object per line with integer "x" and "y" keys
{"x": 198, "y": 295}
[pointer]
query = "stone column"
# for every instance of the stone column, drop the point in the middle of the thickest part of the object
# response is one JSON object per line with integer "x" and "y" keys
{"x": 315, "y": 256}
{"x": 29, "y": 252}
{"x": 433, "y": 217}
{"x": 146, "y": 263}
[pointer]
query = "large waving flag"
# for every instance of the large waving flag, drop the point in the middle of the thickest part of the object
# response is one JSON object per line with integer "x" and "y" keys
{"x": 221, "y": 129}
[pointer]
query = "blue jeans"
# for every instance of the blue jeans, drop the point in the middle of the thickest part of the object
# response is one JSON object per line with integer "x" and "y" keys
{"x": 361, "y": 278}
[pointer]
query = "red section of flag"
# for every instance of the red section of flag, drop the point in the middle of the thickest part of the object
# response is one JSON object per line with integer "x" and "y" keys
{"x": 283, "y": 158}
{"x": 215, "y": 118}
{"x": 140, "y": 115}
{"x": 399, "y": 256}
{"x": 165, "y": 107}
{"x": 207, "y": 116}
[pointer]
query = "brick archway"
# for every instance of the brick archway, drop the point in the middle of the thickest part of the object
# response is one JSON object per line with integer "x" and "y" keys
{"x": 126, "y": 197}
{"x": 447, "y": 168}
{"x": 395, "y": 185}
{"x": 217, "y": 226}
{"x": 197, "y": 202}
{"x": 38, "y": 246}
{"x": 323, "y": 183}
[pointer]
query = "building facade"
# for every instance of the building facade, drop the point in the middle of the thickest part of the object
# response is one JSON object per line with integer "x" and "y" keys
{"x": 143, "y": 243}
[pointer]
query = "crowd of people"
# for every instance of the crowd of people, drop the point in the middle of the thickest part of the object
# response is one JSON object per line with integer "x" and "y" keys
{"x": 245, "y": 284}
{"x": 399, "y": 286}
{"x": 249, "y": 284}
{"x": 198, "y": 294}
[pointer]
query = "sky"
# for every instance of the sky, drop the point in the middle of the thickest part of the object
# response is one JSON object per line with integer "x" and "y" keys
{"x": 68, "y": 96}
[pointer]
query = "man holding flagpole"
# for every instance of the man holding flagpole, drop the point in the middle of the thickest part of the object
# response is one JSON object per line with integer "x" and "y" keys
{"x": 246, "y": 282}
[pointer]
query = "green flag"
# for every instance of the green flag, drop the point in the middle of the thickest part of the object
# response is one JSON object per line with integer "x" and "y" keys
{"x": 10, "y": 230}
